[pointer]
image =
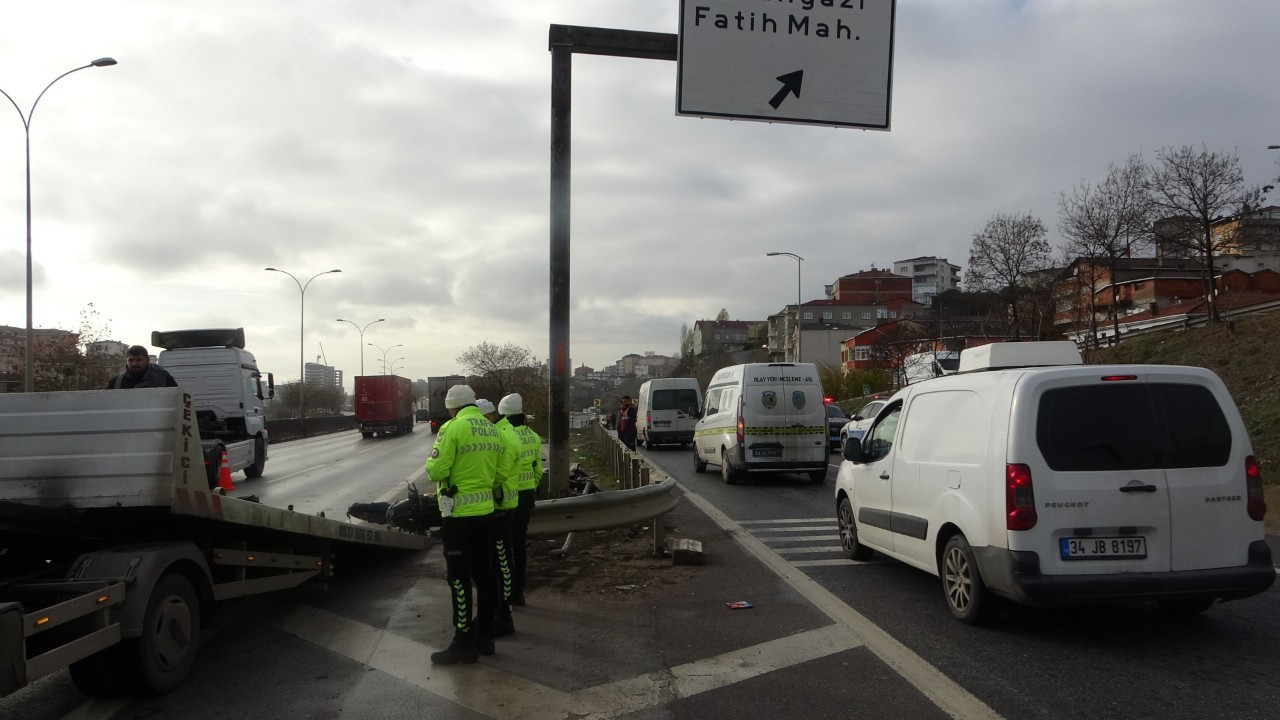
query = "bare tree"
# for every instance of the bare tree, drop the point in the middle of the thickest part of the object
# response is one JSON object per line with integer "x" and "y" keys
{"x": 1193, "y": 191}
{"x": 504, "y": 368}
{"x": 1008, "y": 250}
{"x": 1107, "y": 222}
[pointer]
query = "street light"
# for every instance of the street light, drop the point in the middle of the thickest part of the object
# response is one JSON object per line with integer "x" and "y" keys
{"x": 392, "y": 370}
{"x": 361, "y": 329}
{"x": 798, "y": 261}
{"x": 29, "y": 377}
{"x": 302, "y": 348}
{"x": 384, "y": 354}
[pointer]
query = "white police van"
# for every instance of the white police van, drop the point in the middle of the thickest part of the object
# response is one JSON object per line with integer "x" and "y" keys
{"x": 1032, "y": 477}
{"x": 763, "y": 417}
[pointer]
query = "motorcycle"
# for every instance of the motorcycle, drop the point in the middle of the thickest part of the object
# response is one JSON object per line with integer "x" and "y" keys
{"x": 415, "y": 513}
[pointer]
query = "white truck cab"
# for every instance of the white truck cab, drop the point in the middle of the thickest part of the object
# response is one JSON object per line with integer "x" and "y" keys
{"x": 1032, "y": 477}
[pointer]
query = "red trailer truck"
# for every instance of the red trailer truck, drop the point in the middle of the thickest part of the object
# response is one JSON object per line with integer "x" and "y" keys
{"x": 384, "y": 404}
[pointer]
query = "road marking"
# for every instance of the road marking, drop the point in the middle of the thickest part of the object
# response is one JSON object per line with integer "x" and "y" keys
{"x": 370, "y": 449}
{"x": 825, "y": 520}
{"x": 300, "y": 472}
{"x": 807, "y": 550}
{"x": 837, "y": 561}
{"x": 504, "y": 696}
{"x": 798, "y": 538}
{"x": 944, "y": 692}
{"x": 806, "y": 528}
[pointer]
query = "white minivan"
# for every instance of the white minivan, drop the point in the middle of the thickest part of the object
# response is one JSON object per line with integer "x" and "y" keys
{"x": 763, "y": 417}
{"x": 666, "y": 411}
{"x": 1032, "y": 477}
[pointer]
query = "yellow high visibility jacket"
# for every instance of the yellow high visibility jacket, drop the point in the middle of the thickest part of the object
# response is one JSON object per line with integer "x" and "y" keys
{"x": 466, "y": 456}
{"x": 508, "y": 473}
{"x": 529, "y": 459}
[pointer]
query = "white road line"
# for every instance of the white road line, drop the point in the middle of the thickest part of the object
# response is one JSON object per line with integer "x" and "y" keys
{"x": 786, "y": 521}
{"x": 788, "y": 538}
{"x": 501, "y": 695}
{"x": 807, "y": 528}
{"x": 944, "y": 692}
{"x": 300, "y": 472}
{"x": 807, "y": 550}
{"x": 822, "y": 563}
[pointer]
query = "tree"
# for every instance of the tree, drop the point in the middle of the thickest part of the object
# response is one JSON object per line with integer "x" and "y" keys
{"x": 63, "y": 361}
{"x": 722, "y": 316}
{"x": 686, "y": 342}
{"x": 896, "y": 341}
{"x": 1192, "y": 191}
{"x": 321, "y": 399}
{"x": 1106, "y": 222}
{"x": 503, "y": 368}
{"x": 1003, "y": 255}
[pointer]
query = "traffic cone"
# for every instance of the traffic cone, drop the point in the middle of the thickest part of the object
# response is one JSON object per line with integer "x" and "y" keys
{"x": 224, "y": 474}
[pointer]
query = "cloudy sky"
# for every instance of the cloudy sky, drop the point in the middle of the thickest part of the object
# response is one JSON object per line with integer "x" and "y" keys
{"x": 407, "y": 143}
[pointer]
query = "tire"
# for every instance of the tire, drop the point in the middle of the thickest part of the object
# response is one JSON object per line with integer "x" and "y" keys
{"x": 213, "y": 464}
{"x": 366, "y": 435}
{"x": 1185, "y": 606}
{"x": 968, "y": 597}
{"x": 259, "y": 460}
{"x": 818, "y": 476}
{"x": 727, "y": 473}
{"x": 699, "y": 465}
{"x": 159, "y": 660}
{"x": 849, "y": 532}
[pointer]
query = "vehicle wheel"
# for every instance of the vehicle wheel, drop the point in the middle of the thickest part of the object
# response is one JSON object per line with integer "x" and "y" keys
{"x": 849, "y": 532}
{"x": 699, "y": 465}
{"x": 213, "y": 464}
{"x": 727, "y": 473}
{"x": 157, "y": 661}
{"x": 967, "y": 596}
{"x": 640, "y": 442}
{"x": 259, "y": 460}
{"x": 818, "y": 476}
{"x": 408, "y": 426}
{"x": 1185, "y": 606}
{"x": 366, "y": 435}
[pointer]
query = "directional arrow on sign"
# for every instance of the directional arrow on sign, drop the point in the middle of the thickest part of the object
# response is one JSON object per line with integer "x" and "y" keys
{"x": 791, "y": 83}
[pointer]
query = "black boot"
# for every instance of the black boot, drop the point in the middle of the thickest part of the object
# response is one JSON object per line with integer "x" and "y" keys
{"x": 517, "y": 598}
{"x": 461, "y": 650}
{"x": 484, "y": 644}
{"x": 502, "y": 622}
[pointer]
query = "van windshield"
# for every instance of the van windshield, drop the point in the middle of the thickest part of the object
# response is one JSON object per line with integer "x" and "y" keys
{"x": 949, "y": 365}
{"x": 1132, "y": 426}
{"x": 683, "y": 399}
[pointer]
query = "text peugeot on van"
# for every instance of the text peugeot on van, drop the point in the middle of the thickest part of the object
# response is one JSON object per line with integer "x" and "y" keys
{"x": 1064, "y": 483}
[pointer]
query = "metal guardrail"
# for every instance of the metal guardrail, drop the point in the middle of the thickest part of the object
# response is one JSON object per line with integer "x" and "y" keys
{"x": 286, "y": 429}
{"x": 647, "y": 495}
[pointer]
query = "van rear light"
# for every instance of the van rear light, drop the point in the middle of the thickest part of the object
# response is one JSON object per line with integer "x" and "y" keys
{"x": 742, "y": 426}
{"x": 1253, "y": 489}
{"x": 1019, "y": 501}
{"x": 647, "y": 423}
{"x": 1111, "y": 378}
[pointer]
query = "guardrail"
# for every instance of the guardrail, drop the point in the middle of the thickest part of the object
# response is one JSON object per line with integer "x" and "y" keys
{"x": 647, "y": 494}
{"x": 286, "y": 429}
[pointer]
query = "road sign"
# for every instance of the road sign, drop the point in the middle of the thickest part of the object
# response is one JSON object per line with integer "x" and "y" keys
{"x": 866, "y": 390}
{"x": 818, "y": 62}
{"x": 595, "y": 403}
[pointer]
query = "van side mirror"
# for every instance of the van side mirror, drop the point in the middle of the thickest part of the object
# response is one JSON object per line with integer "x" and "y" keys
{"x": 852, "y": 450}
{"x": 271, "y": 386}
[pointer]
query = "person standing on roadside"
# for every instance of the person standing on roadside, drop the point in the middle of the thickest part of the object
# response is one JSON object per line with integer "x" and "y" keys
{"x": 463, "y": 465}
{"x": 140, "y": 373}
{"x": 627, "y": 422}
{"x": 528, "y": 472}
{"x": 505, "y": 500}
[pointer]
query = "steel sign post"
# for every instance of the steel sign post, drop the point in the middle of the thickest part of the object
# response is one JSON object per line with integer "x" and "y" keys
{"x": 816, "y": 62}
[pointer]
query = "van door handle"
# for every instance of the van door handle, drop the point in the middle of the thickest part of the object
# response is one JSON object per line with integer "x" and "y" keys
{"x": 1138, "y": 488}
{"x": 884, "y": 476}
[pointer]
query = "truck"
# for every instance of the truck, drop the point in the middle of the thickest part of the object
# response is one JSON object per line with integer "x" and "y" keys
{"x": 224, "y": 380}
{"x": 437, "y": 388}
{"x": 384, "y": 404}
{"x": 113, "y": 548}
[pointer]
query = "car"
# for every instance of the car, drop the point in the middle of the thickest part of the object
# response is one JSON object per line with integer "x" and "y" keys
{"x": 836, "y": 420}
{"x": 858, "y": 424}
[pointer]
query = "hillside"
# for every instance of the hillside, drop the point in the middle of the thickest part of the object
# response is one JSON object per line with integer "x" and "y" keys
{"x": 1245, "y": 354}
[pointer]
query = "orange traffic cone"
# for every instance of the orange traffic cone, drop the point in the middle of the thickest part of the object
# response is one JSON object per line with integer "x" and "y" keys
{"x": 224, "y": 474}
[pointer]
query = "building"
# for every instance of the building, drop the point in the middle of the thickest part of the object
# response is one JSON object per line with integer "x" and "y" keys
{"x": 13, "y": 343}
{"x": 869, "y": 287}
{"x": 107, "y": 348}
{"x": 318, "y": 374}
{"x": 720, "y": 336}
{"x": 929, "y": 276}
{"x": 822, "y": 320}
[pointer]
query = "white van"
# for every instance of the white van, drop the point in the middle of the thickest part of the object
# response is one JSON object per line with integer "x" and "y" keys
{"x": 666, "y": 411}
{"x": 763, "y": 417}
{"x": 1032, "y": 477}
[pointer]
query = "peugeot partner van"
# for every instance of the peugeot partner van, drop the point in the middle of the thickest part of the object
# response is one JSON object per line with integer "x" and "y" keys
{"x": 1032, "y": 477}
{"x": 763, "y": 417}
{"x": 666, "y": 411}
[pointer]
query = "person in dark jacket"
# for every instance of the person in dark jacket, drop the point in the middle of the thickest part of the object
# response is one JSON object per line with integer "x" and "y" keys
{"x": 140, "y": 373}
{"x": 627, "y": 422}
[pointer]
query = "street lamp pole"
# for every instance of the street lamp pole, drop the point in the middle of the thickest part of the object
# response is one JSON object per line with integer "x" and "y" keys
{"x": 798, "y": 329}
{"x": 384, "y": 354}
{"x": 302, "y": 348}
{"x": 361, "y": 329}
{"x": 393, "y": 365}
{"x": 29, "y": 377}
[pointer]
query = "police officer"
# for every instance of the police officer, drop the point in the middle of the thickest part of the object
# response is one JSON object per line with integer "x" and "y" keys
{"x": 528, "y": 472}
{"x": 463, "y": 465}
{"x": 505, "y": 500}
